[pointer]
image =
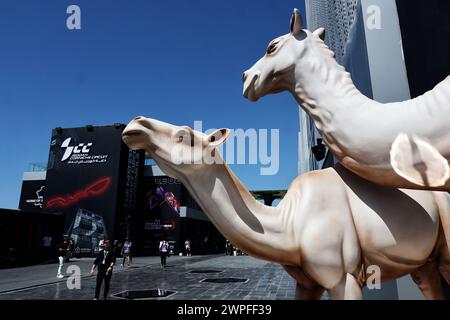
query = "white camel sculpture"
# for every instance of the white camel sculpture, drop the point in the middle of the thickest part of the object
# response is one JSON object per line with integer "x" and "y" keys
{"x": 402, "y": 145}
{"x": 327, "y": 230}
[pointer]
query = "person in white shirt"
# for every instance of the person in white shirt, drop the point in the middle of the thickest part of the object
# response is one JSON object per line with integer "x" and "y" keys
{"x": 163, "y": 250}
{"x": 187, "y": 246}
{"x": 61, "y": 253}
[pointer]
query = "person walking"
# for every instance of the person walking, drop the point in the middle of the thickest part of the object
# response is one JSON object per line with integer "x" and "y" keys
{"x": 70, "y": 250}
{"x": 126, "y": 252}
{"x": 163, "y": 251}
{"x": 104, "y": 263}
{"x": 62, "y": 249}
{"x": 228, "y": 248}
{"x": 187, "y": 246}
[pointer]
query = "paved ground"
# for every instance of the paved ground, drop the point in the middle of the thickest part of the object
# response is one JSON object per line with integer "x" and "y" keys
{"x": 265, "y": 280}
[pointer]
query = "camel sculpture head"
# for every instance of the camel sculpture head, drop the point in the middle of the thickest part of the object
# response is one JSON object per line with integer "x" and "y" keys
{"x": 178, "y": 150}
{"x": 276, "y": 70}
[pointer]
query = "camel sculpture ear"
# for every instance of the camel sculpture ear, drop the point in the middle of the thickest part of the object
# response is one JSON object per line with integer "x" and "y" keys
{"x": 320, "y": 33}
{"x": 218, "y": 137}
{"x": 296, "y": 22}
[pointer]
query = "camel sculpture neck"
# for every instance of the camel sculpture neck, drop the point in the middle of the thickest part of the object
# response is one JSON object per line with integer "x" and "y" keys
{"x": 398, "y": 144}
{"x": 261, "y": 231}
{"x": 325, "y": 91}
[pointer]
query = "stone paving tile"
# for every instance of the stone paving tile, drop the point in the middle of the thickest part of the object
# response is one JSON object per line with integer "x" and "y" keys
{"x": 265, "y": 281}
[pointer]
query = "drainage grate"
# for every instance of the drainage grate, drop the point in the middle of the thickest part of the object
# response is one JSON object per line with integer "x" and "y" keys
{"x": 205, "y": 271}
{"x": 144, "y": 294}
{"x": 224, "y": 280}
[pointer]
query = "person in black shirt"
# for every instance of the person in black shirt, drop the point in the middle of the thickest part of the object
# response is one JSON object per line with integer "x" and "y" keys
{"x": 104, "y": 263}
{"x": 70, "y": 250}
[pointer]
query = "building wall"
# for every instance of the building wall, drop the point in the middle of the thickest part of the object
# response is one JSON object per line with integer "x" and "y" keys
{"x": 337, "y": 17}
{"x": 425, "y": 32}
{"x": 373, "y": 56}
{"x": 32, "y": 193}
{"x": 21, "y": 237}
{"x": 388, "y": 76}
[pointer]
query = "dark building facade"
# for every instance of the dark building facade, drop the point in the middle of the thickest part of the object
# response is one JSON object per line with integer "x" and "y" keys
{"x": 425, "y": 29}
{"x": 86, "y": 180}
{"x": 104, "y": 190}
{"x": 169, "y": 212}
{"x": 22, "y": 234}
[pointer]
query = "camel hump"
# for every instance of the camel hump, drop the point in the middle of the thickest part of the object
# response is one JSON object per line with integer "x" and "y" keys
{"x": 327, "y": 180}
{"x": 419, "y": 162}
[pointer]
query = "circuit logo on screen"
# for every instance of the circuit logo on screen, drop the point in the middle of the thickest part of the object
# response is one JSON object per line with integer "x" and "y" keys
{"x": 82, "y": 148}
{"x": 95, "y": 189}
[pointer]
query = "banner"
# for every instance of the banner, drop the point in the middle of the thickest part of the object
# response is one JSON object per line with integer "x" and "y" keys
{"x": 32, "y": 196}
{"x": 161, "y": 212}
{"x": 82, "y": 182}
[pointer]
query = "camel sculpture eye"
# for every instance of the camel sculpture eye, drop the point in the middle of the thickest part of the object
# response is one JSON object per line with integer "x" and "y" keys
{"x": 185, "y": 136}
{"x": 272, "y": 47}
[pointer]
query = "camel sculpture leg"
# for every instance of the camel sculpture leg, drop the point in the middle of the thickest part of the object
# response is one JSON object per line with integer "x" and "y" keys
{"x": 427, "y": 278}
{"x": 444, "y": 262}
{"x": 314, "y": 293}
{"x": 347, "y": 289}
{"x": 306, "y": 289}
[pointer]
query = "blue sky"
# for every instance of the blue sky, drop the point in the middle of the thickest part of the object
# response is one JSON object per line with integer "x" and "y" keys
{"x": 175, "y": 60}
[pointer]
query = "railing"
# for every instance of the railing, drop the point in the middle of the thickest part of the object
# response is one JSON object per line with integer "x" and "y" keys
{"x": 37, "y": 167}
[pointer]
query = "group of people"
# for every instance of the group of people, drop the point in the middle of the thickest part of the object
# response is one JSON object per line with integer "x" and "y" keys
{"x": 105, "y": 259}
{"x": 231, "y": 250}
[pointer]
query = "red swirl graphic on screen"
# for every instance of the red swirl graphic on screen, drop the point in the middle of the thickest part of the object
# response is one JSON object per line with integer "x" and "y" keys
{"x": 96, "y": 188}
